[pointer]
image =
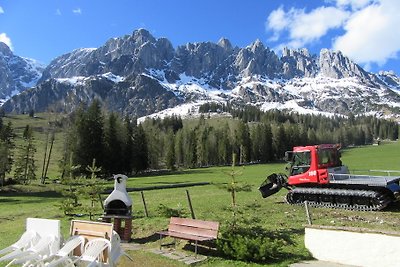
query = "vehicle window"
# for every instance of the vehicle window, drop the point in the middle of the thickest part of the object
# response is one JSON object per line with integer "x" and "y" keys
{"x": 301, "y": 162}
{"x": 327, "y": 157}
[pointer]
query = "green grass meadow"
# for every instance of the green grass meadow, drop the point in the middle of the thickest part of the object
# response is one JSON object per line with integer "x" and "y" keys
{"x": 210, "y": 202}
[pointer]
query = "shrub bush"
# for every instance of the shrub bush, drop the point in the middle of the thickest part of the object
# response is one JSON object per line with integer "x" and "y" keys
{"x": 168, "y": 212}
{"x": 250, "y": 244}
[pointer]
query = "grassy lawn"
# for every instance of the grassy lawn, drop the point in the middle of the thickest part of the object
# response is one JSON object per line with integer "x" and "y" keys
{"x": 210, "y": 202}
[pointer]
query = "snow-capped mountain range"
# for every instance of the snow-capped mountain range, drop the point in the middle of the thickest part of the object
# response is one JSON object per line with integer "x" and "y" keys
{"x": 140, "y": 75}
{"x": 16, "y": 73}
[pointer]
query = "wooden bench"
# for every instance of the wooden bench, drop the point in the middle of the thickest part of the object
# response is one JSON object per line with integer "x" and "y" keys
{"x": 191, "y": 229}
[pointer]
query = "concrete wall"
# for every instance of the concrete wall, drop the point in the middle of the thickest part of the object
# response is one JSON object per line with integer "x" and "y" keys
{"x": 353, "y": 246}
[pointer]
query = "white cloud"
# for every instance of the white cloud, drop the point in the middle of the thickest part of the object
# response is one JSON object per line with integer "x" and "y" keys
{"x": 370, "y": 28}
{"x": 5, "y": 39}
{"x": 308, "y": 27}
{"x": 304, "y": 28}
{"x": 354, "y": 4}
{"x": 58, "y": 12}
{"x": 277, "y": 20}
{"x": 1, "y": 10}
{"x": 372, "y": 34}
{"x": 77, "y": 11}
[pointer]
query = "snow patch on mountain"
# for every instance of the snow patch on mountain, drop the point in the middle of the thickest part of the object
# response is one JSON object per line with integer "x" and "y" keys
{"x": 36, "y": 68}
{"x": 293, "y": 106}
{"x": 189, "y": 85}
{"x": 183, "y": 111}
{"x": 112, "y": 77}
{"x": 80, "y": 80}
{"x": 77, "y": 80}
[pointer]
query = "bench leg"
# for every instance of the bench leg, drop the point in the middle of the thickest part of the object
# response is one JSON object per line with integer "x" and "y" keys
{"x": 195, "y": 249}
{"x": 160, "y": 241}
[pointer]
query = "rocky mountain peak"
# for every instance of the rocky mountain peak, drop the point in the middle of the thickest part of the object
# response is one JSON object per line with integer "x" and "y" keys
{"x": 334, "y": 64}
{"x": 298, "y": 63}
{"x": 225, "y": 44}
{"x": 257, "y": 47}
{"x": 142, "y": 36}
{"x": 390, "y": 78}
{"x": 16, "y": 73}
{"x": 5, "y": 50}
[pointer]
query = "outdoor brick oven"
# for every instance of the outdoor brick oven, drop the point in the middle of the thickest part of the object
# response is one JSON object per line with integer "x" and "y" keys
{"x": 118, "y": 208}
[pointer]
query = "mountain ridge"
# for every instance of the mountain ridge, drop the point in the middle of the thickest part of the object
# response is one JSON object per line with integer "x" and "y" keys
{"x": 16, "y": 73}
{"x": 139, "y": 74}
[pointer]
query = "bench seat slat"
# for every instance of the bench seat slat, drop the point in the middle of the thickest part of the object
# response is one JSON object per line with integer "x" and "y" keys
{"x": 185, "y": 236}
{"x": 193, "y": 230}
{"x": 195, "y": 223}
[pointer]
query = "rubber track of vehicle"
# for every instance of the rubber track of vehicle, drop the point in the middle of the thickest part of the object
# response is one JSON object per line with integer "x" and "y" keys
{"x": 382, "y": 199}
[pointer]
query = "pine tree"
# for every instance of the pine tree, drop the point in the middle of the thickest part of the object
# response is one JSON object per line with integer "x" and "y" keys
{"x": 279, "y": 142}
{"x": 189, "y": 148}
{"x": 4, "y": 162}
{"x": 201, "y": 144}
{"x": 170, "y": 150}
{"x": 212, "y": 147}
{"x": 6, "y": 149}
{"x": 224, "y": 149}
{"x": 179, "y": 148}
{"x": 243, "y": 142}
{"x": 256, "y": 142}
{"x": 25, "y": 164}
{"x": 129, "y": 150}
{"x": 89, "y": 136}
{"x": 113, "y": 146}
{"x": 140, "y": 161}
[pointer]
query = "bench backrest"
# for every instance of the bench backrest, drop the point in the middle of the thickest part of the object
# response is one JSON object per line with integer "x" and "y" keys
{"x": 194, "y": 227}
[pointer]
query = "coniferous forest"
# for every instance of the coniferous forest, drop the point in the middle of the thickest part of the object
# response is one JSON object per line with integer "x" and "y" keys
{"x": 115, "y": 144}
{"x": 171, "y": 143}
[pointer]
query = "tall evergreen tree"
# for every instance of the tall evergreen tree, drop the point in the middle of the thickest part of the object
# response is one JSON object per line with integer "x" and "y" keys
{"x": 224, "y": 149}
{"x": 170, "y": 150}
{"x": 129, "y": 150}
{"x": 201, "y": 144}
{"x": 179, "y": 148}
{"x": 113, "y": 146}
{"x": 189, "y": 148}
{"x": 141, "y": 159}
{"x": 5, "y": 166}
{"x": 90, "y": 137}
{"x": 7, "y": 145}
{"x": 25, "y": 164}
{"x": 243, "y": 142}
{"x": 279, "y": 141}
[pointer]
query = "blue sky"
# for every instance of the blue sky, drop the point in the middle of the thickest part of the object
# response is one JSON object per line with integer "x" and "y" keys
{"x": 368, "y": 31}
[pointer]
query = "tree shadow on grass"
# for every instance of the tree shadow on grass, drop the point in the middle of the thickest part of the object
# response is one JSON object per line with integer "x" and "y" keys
{"x": 8, "y": 200}
{"x": 143, "y": 240}
{"x": 177, "y": 182}
{"x": 43, "y": 194}
{"x": 156, "y": 173}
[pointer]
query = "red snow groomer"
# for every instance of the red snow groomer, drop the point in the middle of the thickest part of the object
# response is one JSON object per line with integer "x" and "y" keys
{"x": 316, "y": 175}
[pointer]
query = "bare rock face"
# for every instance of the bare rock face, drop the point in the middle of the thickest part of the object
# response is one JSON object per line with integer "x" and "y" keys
{"x": 257, "y": 60}
{"x": 298, "y": 63}
{"x": 336, "y": 65}
{"x": 16, "y": 73}
{"x": 121, "y": 56}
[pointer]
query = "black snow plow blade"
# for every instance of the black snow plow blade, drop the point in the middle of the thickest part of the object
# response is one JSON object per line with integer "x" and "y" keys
{"x": 272, "y": 184}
